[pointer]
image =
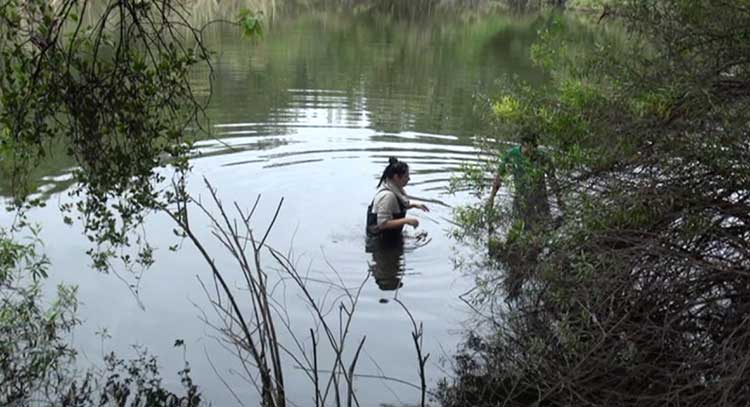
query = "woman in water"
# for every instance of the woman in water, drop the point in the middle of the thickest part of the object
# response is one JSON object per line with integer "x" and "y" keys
{"x": 386, "y": 215}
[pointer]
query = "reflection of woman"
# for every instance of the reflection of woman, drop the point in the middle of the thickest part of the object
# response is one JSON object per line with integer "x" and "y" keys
{"x": 387, "y": 266}
{"x": 386, "y": 215}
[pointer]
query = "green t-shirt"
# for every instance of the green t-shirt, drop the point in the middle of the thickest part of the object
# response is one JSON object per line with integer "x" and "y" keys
{"x": 528, "y": 173}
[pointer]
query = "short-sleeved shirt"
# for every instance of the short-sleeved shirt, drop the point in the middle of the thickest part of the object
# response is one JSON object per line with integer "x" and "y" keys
{"x": 386, "y": 204}
{"x": 528, "y": 175}
{"x": 527, "y": 172}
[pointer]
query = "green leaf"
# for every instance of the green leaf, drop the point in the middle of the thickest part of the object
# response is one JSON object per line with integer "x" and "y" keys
{"x": 251, "y": 23}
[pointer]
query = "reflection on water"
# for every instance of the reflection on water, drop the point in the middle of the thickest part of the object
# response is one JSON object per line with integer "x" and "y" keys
{"x": 412, "y": 83}
{"x": 388, "y": 264}
{"x": 324, "y": 69}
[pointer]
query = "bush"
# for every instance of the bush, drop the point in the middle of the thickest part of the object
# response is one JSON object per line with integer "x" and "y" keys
{"x": 640, "y": 297}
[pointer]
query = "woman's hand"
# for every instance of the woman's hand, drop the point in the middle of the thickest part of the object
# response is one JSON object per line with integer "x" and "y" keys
{"x": 412, "y": 221}
{"x": 420, "y": 206}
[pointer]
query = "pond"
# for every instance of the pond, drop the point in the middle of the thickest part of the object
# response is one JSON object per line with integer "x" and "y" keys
{"x": 311, "y": 112}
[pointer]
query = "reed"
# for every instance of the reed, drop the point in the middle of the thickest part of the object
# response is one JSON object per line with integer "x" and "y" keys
{"x": 252, "y": 318}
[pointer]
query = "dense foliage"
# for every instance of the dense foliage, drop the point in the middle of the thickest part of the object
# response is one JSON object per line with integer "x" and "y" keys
{"x": 641, "y": 295}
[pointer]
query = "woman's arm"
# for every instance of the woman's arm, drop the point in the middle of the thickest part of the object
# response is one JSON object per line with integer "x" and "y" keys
{"x": 397, "y": 223}
{"x": 386, "y": 207}
{"x": 419, "y": 205}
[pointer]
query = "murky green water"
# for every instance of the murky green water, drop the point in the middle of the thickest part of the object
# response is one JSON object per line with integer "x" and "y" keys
{"x": 311, "y": 113}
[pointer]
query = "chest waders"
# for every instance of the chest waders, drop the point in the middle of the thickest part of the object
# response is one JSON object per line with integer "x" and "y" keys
{"x": 387, "y": 235}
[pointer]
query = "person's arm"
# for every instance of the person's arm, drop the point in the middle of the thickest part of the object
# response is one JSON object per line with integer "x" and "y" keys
{"x": 397, "y": 223}
{"x": 499, "y": 174}
{"x": 495, "y": 187}
{"x": 386, "y": 207}
{"x": 419, "y": 206}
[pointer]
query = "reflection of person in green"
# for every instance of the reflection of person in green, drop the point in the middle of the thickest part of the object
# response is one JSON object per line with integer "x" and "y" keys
{"x": 531, "y": 169}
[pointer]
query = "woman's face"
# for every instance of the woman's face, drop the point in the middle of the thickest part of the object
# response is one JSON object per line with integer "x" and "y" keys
{"x": 401, "y": 180}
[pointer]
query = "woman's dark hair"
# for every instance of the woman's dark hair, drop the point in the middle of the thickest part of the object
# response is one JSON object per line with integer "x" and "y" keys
{"x": 395, "y": 167}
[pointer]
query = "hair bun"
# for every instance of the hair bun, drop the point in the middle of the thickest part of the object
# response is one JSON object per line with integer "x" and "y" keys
{"x": 392, "y": 160}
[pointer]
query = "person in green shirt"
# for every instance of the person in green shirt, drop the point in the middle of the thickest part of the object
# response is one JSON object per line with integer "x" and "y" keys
{"x": 530, "y": 171}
